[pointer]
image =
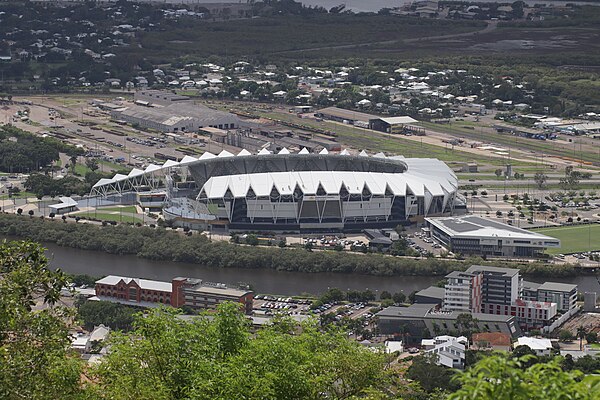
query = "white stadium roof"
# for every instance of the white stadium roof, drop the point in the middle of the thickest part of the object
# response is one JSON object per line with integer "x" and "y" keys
{"x": 423, "y": 177}
{"x": 330, "y": 181}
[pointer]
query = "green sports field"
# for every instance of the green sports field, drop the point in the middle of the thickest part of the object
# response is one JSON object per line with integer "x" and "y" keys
{"x": 574, "y": 239}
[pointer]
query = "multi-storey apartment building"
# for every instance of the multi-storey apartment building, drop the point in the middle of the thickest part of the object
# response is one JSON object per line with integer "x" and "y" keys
{"x": 463, "y": 292}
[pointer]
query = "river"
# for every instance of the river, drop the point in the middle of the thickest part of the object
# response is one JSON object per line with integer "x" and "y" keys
{"x": 94, "y": 263}
{"x": 376, "y": 5}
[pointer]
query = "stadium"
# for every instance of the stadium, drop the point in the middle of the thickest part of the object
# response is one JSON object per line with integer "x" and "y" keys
{"x": 296, "y": 192}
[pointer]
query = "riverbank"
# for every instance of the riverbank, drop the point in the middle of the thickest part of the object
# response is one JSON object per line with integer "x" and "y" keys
{"x": 161, "y": 244}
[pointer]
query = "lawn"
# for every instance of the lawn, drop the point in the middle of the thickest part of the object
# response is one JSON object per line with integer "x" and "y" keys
{"x": 574, "y": 239}
{"x": 125, "y": 209}
{"x": 109, "y": 216}
{"x": 19, "y": 195}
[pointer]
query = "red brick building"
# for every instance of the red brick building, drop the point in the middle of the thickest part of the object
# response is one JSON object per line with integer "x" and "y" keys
{"x": 180, "y": 292}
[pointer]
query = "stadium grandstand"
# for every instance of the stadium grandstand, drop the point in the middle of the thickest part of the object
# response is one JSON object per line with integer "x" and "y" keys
{"x": 297, "y": 192}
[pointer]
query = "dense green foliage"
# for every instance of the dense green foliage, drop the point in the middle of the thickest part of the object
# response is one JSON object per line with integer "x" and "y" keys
{"x": 45, "y": 185}
{"x": 21, "y": 151}
{"x": 504, "y": 378}
{"x": 115, "y": 316}
{"x": 431, "y": 377}
{"x": 34, "y": 361}
{"x": 219, "y": 357}
{"x": 167, "y": 358}
{"x": 162, "y": 244}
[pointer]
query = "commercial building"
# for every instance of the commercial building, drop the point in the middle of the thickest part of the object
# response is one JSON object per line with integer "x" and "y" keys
{"x": 198, "y": 295}
{"x": 160, "y": 97}
{"x": 181, "y": 292}
{"x": 430, "y": 295}
{"x": 182, "y": 116}
{"x": 420, "y": 320}
{"x": 470, "y": 234}
{"x": 401, "y": 124}
{"x": 501, "y": 291}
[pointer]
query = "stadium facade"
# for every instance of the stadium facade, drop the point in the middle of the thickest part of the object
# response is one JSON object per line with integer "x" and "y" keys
{"x": 304, "y": 191}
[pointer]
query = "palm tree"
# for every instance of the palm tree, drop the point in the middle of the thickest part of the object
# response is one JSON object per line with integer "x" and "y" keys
{"x": 581, "y": 332}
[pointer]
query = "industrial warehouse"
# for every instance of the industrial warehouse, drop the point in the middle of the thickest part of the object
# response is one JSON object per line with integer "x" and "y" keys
{"x": 167, "y": 112}
{"x": 302, "y": 191}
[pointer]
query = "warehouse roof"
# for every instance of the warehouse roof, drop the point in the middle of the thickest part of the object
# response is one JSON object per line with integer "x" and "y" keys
{"x": 175, "y": 113}
{"x": 347, "y": 114}
{"x": 472, "y": 225}
{"x": 399, "y": 120}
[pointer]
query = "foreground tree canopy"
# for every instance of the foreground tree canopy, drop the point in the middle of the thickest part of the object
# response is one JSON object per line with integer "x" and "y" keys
{"x": 219, "y": 356}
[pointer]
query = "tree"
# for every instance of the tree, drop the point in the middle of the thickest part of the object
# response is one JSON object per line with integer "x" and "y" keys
{"x": 385, "y": 295}
{"x": 30, "y": 212}
{"x": 34, "y": 356}
{"x": 565, "y": 336}
{"x": 115, "y": 316}
{"x": 425, "y": 370}
{"x": 217, "y": 358}
{"x": 540, "y": 179}
{"x": 500, "y": 377}
{"x": 19, "y": 211}
{"x": 498, "y": 172}
{"x": 399, "y": 297}
{"x": 591, "y": 337}
{"x": 252, "y": 240}
{"x": 581, "y": 333}
{"x": 92, "y": 164}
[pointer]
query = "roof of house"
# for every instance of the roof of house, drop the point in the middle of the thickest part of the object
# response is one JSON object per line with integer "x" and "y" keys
{"x": 534, "y": 343}
{"x": 493, "y": 338}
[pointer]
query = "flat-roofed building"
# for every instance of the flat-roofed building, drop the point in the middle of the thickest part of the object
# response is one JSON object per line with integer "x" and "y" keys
{"x": 180, "y": 292}
{"x": 499, "y": 285}
{"x": 197, "y": 294}
{"x": 161, "y": 97}
{"x": 419, "y": 320}
{"x": 470, "y": 234}
{"x": 430, "y": 295}
{"x": 463, "y": 292}
{"x": 182, "y": 116}
{"x": 563, "y": 294}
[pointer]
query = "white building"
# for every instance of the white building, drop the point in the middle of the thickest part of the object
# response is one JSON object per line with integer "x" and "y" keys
{"x": 450, "y": 351}
{"x": 541, "y": 347}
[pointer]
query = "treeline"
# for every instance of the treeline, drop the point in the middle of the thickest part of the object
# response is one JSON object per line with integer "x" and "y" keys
{"x": 21, "y": 151}
{"x": 166, "y": 245}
